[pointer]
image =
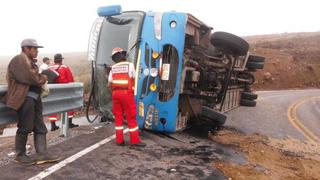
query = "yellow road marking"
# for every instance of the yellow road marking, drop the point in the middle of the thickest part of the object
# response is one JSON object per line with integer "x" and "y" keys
{"x": 292, "y": 117}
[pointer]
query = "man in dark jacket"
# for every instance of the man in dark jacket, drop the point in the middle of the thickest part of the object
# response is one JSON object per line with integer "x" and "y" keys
{"x": 23, "y": 95}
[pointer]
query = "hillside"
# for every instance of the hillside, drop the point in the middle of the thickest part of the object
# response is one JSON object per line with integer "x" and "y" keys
{"x": 292, "y": 60}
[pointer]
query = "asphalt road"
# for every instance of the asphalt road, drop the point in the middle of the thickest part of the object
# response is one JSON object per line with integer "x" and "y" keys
{"x": 277, "y": 113}
{"x": 182, "y": 156}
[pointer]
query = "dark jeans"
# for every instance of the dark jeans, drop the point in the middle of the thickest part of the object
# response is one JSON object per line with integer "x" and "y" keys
{"x": 30, "y": 117}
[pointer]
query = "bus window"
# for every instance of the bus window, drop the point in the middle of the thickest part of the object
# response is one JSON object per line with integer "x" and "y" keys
{"x": 170, "y": 64}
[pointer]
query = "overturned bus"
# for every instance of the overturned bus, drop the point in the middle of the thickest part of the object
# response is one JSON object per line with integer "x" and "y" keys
{"x": 185, "y": 72}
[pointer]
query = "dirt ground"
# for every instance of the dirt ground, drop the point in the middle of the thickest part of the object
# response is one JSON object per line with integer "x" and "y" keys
{"x": 292, "y": 60}
{"x": 269, "y": 158}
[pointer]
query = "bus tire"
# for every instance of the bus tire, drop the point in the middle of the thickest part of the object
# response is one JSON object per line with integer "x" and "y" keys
{"x": 249, "y": 96}
{"x": 253, "y": 58}
{"x": 218, "y": 118}
{"x": 254, "y": 65}
{"x": 251, "y": 70}
{"x": 249, "y": 103}
{"x": 230, "y": 43}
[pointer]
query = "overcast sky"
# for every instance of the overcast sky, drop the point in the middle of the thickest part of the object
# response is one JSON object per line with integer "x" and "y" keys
{"x": 64, "y": 25}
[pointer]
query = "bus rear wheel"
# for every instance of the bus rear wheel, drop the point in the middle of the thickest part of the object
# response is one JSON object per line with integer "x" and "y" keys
{"x": 229, "y": 43}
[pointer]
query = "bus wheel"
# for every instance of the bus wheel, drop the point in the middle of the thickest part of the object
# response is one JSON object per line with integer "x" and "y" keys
{"x": 249, "y": 103}
{"x": 229, "y": 43}
{"x": 249, "y": 96}
{"x": 253, "y": 58}
{"x": 252, "y": 70}
{"x": 254, "y": 65}
{"x": 216, "y": 117}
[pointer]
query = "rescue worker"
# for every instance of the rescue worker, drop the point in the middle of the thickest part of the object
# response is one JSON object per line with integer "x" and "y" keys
{"x": 121, "y": 81}
{"x": 23, "y": 96}
{"x": 44, "y": 65}
{"x": 64, "y": 76}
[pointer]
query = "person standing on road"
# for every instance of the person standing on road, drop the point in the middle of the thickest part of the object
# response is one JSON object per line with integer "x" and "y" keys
{"x": 23, "y": 96}
{"x": 121, "y": 81}
{"x": 64, "y": 76}
{"x": 44, "y": 65}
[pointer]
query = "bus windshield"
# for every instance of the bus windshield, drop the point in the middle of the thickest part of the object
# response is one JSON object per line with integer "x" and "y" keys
{"x": 119, "y": 31}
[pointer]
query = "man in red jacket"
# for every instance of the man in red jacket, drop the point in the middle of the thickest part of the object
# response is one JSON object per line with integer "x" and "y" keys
{"x": 121, "y": 80}
{"x": 64, "y": 76}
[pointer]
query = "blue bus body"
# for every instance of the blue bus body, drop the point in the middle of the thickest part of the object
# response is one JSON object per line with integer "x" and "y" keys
{"x": 184, "y": 72}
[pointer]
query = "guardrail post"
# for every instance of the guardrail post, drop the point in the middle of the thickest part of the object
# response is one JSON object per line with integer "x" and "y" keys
{"x": 64, "y": 125}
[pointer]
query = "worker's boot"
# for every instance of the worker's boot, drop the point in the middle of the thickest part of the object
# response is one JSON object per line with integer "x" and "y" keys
{"x": 54, "y": 126}
{"x": 139, "y": 145}
{"x": 21, "y": 157}
{"x": 121, "y": 144}
{"x": 40, "y": 143}
{"x": 135, "y": 139}
{"x": 71, "y": 125}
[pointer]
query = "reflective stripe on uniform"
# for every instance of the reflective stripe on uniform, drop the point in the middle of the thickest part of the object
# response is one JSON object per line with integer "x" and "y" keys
{"x": 118, "y": 69}
{"x": 119, "y": 127}
{"x": 133, "y": 129}
{"x": 70, "y": 116}
{"x": 52, "y": 118}
{"x": 120, "y": 81}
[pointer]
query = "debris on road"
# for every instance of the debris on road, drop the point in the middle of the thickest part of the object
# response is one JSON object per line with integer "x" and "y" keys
{"x": 172, "y": 170}
{"x": 11, "y": 154}
{"x": 97, "y": 127}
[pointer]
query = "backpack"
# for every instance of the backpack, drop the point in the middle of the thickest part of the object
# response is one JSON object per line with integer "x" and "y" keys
{"x": 51, "y": 74}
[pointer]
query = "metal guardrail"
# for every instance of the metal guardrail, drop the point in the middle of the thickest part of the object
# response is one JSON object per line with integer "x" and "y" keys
{"x": 62, "y": 98}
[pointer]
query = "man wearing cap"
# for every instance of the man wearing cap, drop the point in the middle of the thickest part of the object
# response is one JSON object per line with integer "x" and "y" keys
{"x": 121, "y": 81}
{"x": 23, "y": 96}
{"x": 64, "y": 76}
{"x": 44, "y": 65}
